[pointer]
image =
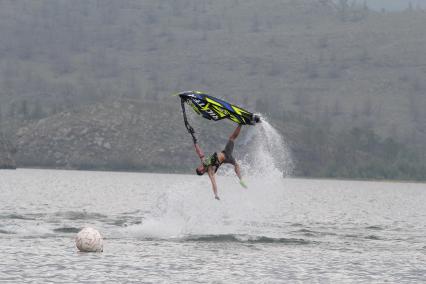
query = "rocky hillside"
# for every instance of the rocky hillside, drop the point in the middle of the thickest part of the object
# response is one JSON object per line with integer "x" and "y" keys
{"x": 131, "y": 135}
{"x": 119, "y": 135}
{"x": 7, "y": 154}
{"x": 312, "y": 57}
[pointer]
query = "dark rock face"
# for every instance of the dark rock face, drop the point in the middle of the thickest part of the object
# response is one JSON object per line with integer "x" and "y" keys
{"x": 7, "y": 153}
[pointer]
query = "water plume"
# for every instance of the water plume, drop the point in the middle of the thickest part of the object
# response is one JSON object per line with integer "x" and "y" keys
{"x": 266, "y": 152}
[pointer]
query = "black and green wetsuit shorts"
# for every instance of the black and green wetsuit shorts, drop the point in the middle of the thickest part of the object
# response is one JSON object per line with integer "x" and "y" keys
{"x": 229, "y": 148}
{"x": 229, "y": 159}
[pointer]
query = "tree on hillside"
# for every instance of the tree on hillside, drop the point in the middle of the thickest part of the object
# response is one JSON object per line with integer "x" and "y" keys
{"x": 37, "y": 111}
{"x": 342, "y": 8}
{"x": 348, "y": 10}
{"x": 23, "y": 111}
{"x": 337, "y": 108}
{"x": 255, "y": 24}
{"x": 367, "y": 109}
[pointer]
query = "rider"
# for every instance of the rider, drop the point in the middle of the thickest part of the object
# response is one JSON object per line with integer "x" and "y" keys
{"x": 212, "y": 163}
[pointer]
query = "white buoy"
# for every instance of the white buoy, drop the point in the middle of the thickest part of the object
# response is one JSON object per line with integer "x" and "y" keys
{"x": 89, "y": 240}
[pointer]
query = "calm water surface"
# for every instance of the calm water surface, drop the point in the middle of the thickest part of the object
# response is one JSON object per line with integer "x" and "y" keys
{"x": 168, "y": 228}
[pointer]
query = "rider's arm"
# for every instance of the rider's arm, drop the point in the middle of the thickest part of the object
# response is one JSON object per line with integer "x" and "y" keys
{"x": 211, "y": 173}
{"x": 199, "y": 152}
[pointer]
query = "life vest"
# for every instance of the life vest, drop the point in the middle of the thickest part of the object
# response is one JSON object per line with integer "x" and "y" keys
{"x": 212, "y": 161}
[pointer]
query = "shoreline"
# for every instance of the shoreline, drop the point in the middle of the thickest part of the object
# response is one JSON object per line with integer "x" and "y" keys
{"x": 187, "y": 173}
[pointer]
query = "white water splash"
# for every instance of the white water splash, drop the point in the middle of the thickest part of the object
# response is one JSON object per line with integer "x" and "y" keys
{"x": 267, "y": 154}
{"x": 193, "y": 211}
{"x": 189, "y": 209}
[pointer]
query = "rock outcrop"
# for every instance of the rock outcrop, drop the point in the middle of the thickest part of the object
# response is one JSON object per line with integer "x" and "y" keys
{"x": 7, "y": 153}
{"x": 119, "y": 135}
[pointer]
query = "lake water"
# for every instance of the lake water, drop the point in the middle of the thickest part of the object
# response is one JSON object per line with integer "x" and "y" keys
{"x": 169, "y": 228}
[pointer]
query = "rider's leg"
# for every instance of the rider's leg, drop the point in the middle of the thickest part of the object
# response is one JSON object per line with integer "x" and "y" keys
{"x": 236, "y": 132}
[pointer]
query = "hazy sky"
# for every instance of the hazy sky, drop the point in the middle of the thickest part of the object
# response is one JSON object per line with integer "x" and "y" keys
{"x": 392, "y": 5}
